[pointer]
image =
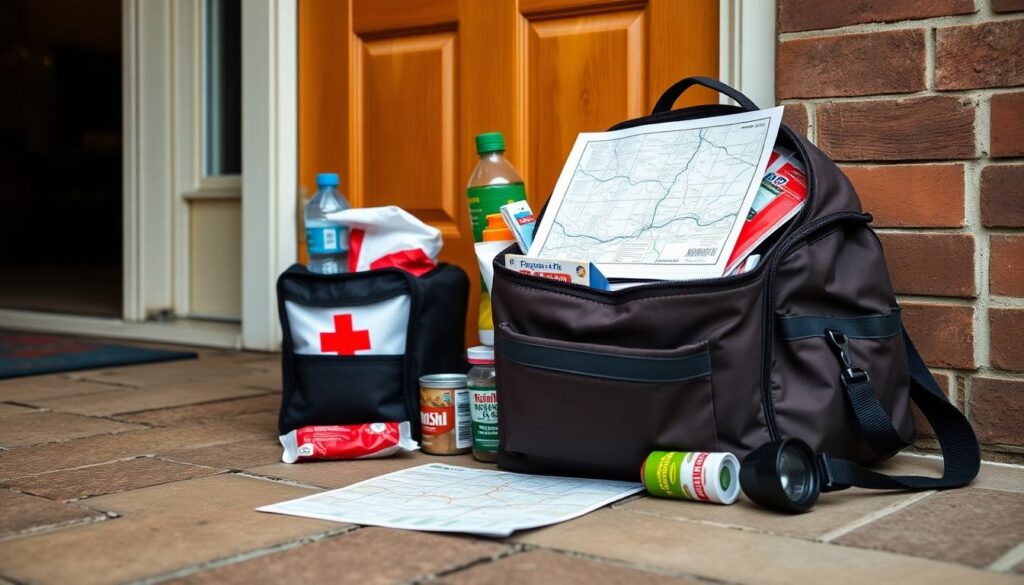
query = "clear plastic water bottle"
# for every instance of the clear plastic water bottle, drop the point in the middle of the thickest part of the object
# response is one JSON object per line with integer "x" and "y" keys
{"x": 327, "y": 242}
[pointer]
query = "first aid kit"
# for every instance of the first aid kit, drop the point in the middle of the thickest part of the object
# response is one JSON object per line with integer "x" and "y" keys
{"x": 807, "y": 346}
{"x": 356, "y": 343}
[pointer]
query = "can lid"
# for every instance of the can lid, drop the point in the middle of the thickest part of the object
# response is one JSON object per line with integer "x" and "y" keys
{"x": 443, "y": 380}
{"x": 480, "y": 354}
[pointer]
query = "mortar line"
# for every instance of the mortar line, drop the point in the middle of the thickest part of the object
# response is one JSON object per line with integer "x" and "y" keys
{"x": 1008, "y": 560}
{"x": 279, "y": 480}
{"x": 100, "y": 516}
{"x": 979, "y": 17}
{"x": 1005, "y": 302}
{"x": 924, "y": 230}
{"x": 937, "y": 457}
{"x": 828, "y": 537}
{"x": 973, "y": 219}
{"x": 739, "y": 527}
{"x": 244, "y": 556}
{"x": 209, "y": 403}
{"x": 86, "y": 466}
{"x": 963, "y": 94}
{"x": 812, "y": 121}
{"x": 930, "y": 41}
{"x": 936, "y": 300}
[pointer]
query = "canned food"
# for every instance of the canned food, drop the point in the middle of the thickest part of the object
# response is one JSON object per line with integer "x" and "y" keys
{"x": 693, "y": 475}
{"x": 444, "y": 414}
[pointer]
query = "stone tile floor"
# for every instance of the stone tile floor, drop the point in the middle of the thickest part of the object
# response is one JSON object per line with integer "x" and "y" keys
{"x": 151, "y": 474}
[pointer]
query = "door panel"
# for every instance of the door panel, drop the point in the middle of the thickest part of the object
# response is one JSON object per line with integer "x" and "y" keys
{"x": 583, "y": 72}
{"x": 392, "y": 92}
{"x": 408, "y": 126}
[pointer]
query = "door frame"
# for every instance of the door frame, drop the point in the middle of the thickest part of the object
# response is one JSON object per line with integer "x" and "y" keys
{"x": 269, "y": 162}
{"x": 159, "y": 118}
{"x": 746, "y": 52}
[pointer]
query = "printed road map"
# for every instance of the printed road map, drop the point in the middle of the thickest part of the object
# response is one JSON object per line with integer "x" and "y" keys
{"x": 446, "y": 498}
{"x": 663, "y": 201}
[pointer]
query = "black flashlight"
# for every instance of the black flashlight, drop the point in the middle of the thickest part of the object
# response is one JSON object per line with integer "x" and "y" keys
{"x": 782, "y": 475}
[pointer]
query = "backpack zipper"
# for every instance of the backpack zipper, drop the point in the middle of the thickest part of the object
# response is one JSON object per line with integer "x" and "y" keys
{"x": 767, "y": 338}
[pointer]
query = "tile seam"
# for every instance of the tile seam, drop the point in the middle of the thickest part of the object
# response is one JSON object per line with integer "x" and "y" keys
{"x": 832, "y": 535}
{"x": 512, "y": 549}
{"x": 1008, "y": 560}
{"x": 244, "y": 556}
{"x": 632, "y": 565}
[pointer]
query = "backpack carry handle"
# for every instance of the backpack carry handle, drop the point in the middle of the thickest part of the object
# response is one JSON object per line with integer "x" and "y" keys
{"x": 668, "y": 99}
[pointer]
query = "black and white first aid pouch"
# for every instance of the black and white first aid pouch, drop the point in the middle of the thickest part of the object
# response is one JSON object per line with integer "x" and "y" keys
{"x": 356, "y": 343}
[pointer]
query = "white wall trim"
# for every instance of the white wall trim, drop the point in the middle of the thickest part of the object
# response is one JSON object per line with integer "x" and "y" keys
{"x": 269, "y": 162}
{"x": 746, "y": 55}
{"x": 148, "y": 158}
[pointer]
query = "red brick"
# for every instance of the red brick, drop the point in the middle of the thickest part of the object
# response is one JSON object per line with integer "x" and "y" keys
{"x": 1007, "y": 6}
{"x": 924, "y": 429}
{"x": 1006, "y": 134}
{"x": 857, "y": 64}
{"x": 1006, "y": 351}
{"x": 928, "y": 128}
{"x": 997, "y": 410}
{"x": 911, "y": 195}
{"x": 797, "y": 15}
{"x": 990, "y": 54}
{"x": 944, "y": 334}
{"x": 795, "y": 116}
{"x": 1006, "y": 265}
{"x": 931, "y": 264}
{"x": 1002, "y": 195}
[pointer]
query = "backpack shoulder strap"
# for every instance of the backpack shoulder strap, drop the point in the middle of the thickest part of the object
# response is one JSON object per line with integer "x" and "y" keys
{"x": 960, "y": 450}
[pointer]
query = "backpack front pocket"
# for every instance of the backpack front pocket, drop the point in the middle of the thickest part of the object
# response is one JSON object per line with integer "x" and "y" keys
{"x": 598, "y": 410}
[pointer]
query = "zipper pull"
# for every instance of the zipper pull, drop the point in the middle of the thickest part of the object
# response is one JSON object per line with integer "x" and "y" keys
{"x": 840, "y": 344}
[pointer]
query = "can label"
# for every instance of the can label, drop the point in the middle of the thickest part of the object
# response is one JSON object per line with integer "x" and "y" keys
{"x": 445, "y": 421}
{"x": 483, "y": 408}
{"x": 686, "y": 475}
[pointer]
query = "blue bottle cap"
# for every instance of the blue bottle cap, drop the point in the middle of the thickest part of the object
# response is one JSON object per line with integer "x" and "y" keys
{"x": 327, "y": 180}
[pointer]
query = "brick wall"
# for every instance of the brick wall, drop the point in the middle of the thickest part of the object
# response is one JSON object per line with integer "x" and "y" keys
{"x": 921, "y": 102}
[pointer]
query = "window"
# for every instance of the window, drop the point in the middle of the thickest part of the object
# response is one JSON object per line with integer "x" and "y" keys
{"x": 222, "y": 87}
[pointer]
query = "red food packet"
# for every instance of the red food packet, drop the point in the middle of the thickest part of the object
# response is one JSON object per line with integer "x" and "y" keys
{"x": 365, "y": 441}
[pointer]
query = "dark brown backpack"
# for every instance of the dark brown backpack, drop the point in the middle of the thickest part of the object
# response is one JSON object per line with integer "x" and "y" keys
{"x": 808, "y": 345}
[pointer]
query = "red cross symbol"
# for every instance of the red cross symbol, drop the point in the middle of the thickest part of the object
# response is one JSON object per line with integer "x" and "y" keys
{"x": 344, "y": 341}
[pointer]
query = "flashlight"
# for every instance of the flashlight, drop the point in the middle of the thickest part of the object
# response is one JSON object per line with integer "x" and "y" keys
{"x": 782, "y": 475}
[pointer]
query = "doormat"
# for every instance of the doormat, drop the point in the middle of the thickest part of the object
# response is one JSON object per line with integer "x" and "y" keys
{"x": 24, "y": 354}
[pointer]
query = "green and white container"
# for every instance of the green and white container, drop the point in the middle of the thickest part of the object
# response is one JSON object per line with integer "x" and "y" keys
{"x": 692, "y": 475}
{"x": 483, "y": 402}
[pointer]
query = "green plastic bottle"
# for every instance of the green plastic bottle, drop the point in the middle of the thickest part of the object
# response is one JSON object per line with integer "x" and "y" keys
{"x": 493, "y": 183}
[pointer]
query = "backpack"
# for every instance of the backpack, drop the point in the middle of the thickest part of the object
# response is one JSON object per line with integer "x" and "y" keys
{"x": 809, "y": 345}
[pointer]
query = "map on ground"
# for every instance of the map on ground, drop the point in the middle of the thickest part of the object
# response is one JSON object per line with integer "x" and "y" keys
{"x": 659, "y": 201}
{"x": 446, "y": 498}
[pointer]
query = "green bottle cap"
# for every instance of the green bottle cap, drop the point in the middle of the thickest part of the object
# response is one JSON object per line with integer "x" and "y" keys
{"x": 490, "y": 142}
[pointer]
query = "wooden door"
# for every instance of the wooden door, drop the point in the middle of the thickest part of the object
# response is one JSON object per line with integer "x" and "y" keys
{"x": 392, "y": 92}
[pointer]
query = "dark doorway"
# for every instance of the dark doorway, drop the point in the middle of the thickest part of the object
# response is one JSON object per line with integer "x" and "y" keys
{"x": 61, "y": 156}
